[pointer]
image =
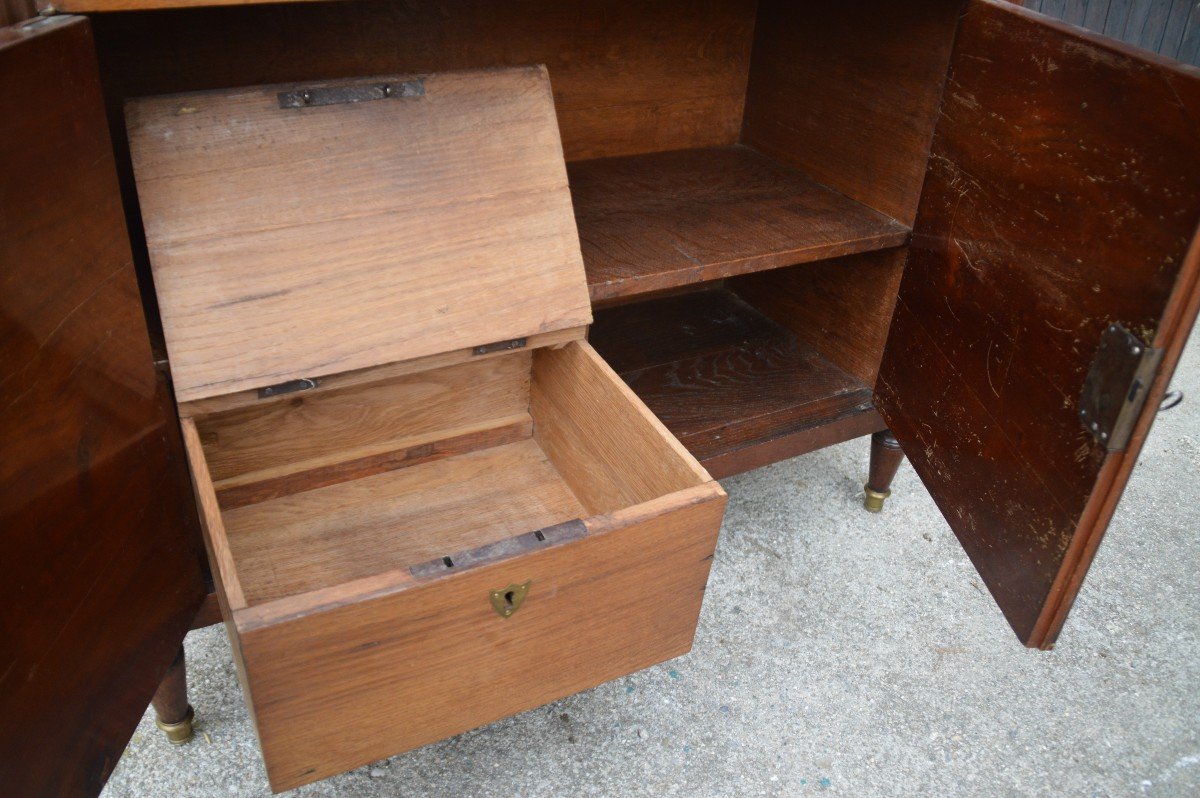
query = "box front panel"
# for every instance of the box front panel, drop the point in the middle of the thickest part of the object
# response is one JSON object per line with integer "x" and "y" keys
{"x": 341, "y": 688}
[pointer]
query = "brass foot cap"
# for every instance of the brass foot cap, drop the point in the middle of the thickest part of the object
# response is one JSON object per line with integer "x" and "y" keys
{"x": 873, "y": 499}
{"x": 179, "y": 732}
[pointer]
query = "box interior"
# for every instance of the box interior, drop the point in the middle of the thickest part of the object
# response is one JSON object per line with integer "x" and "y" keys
{"x": 332, "y": 486}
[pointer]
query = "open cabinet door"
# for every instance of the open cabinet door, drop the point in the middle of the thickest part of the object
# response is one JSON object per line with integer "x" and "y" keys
{"x": 99, "y": 573}
{"x": 1062, "y": 198}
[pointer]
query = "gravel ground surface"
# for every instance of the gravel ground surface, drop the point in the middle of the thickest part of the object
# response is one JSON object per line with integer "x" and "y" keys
{"x": 838, "y": 652}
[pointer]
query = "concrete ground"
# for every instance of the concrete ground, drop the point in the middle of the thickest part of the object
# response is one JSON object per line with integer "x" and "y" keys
{"x": 838, "y": 652}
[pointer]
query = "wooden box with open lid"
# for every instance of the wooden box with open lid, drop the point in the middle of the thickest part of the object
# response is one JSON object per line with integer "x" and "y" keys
{"x": 429, "y": 503}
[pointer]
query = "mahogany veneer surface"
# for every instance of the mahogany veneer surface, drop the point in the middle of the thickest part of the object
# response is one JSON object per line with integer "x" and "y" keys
{"x": 725, "y": 377}
{"x": 663, "y": 220}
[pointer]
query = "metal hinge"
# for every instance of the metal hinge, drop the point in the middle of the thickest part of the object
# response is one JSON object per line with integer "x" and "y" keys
{"x": 500, "y": 346}
{"x": 1117, "y": 386}
{"x": 302, "y": 384}
{"x": 350, "y": 93}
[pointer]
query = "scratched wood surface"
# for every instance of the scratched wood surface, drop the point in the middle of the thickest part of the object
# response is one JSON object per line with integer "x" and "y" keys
{"x": 292, "y": 243}
{"x": 1167, "y": 27}
{"x": 99, "y": 562}
{"x": 1046, "y": 216}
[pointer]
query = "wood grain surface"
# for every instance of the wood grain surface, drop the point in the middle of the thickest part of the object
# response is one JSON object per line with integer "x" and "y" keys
{"x": 728, "y": 379}
{"x": 291, "y": 243}
{"x": 99, "y": 561}
{"x": 628, "y": 76}
{"x": 355, "y": 529}
{"x": 1046, "y": 217}
{"x": 313, "y": 428}
{"x": 606, "y": 443}
{"x": 327, "y": 685}
{"x": 650, "y": 222}
{"x": 842, "y": 308}
{"x": 849, "y": 93}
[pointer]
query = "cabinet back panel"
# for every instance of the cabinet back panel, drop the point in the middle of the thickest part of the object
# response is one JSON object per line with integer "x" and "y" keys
{"x": 842, "y": 307}
{"x": 628, "y": 77}
{"x": 849, "y": 92}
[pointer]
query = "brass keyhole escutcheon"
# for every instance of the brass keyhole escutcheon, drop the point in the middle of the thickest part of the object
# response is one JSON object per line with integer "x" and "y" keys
{"x": 508, "y": 600}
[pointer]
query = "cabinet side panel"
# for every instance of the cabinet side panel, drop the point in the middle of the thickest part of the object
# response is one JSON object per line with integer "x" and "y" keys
{"x": 849, "y": 92}
{"x": 1047, "y": 216}
{"x": 99, "y": 569}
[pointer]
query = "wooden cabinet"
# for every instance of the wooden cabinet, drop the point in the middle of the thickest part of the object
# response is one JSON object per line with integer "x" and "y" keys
{"x": 798, "y": 222}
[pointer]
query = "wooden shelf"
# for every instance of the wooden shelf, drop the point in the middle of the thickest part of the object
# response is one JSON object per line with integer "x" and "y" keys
{"x": 737, "y": 389}
{"x": 665, "y": 220}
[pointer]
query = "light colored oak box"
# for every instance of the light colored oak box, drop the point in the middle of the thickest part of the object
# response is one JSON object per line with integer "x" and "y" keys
{"x": 429, "y": 504}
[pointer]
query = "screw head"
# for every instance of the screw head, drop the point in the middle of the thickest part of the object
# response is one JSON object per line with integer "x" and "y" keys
{"x": 306, "y": 97}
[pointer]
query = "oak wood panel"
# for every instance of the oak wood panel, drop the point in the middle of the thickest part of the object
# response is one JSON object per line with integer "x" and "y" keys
{"x": 313, "y": 428}
{"x": 1046, "y": 217}
{"x": 604, "y": 441}
{"x": 727, "y": 379}
{"x": 650, "y": 222}
{"x": 329, "y": 238}
{"x": 354, "y": 529}
{"x": 216, "y": 405}
{"x": 224, "y": 568}
{"x": 628, "y": 76}
{"x": 350, "y": 465}
{"x": 841, "y": 308}
{"x": 849, "y": 94}
{"x": 99, "y": 568}
{"x": 623, "y": 598}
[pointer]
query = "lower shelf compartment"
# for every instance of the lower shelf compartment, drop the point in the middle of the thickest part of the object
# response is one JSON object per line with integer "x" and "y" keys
{"x": 737, "y": 389}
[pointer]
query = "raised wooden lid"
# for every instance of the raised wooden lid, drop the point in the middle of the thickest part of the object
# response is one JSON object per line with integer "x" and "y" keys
{"x": 297, "y": 231}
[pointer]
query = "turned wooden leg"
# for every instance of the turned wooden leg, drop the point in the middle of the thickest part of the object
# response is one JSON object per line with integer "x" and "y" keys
{"x": 885, "y": 460}
{"x": 174, "y": 713}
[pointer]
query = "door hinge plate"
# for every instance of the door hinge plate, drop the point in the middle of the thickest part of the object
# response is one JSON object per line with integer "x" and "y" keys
{"x": 1117, "y": 386}
{"x": 302, "y": 384}
{"x": 350, "y": 93}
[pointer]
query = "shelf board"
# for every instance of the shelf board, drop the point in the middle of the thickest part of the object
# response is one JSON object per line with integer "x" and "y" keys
{"x": 737, "y": 389}
{"x": 669, "y": 219}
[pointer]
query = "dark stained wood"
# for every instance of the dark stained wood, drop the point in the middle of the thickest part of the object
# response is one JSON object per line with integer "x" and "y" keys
{"x": 842, "y": 308}
{"x": 628, "y": 76}
{"x": 738, "y": 390}
{"x": 1046, "y": 217}
{"x": 850, "y": 97}
{"x": 170, "y": 699}
{"x": 886, "y": 457}
{"x": 209, "y": 613}
{"x": 99, "y": 576}
{"x": 14, "y": 11}
{"x": 651, "y": 222}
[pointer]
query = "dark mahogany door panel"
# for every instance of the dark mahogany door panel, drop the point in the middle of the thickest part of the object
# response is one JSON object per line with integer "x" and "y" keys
{"x": 1062, "y": 196}
{"x": 99, "y": 575}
